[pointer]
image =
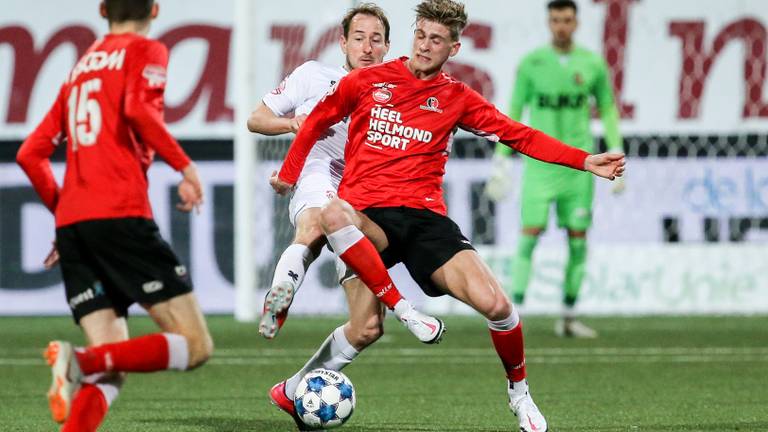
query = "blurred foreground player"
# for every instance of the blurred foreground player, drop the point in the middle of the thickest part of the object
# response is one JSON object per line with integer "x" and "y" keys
{"x": 403, "y": 114}
{"x": 109, "y": 112}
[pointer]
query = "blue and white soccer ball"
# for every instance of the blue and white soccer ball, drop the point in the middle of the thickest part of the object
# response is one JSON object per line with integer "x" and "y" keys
{"x": 324, "y": 399}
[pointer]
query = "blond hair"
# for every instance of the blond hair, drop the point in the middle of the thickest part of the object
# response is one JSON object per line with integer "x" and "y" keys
{"x": 446, "y": 12}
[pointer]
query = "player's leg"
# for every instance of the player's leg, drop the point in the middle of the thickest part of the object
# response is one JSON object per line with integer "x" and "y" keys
{"x": 534, "y": 211}
{"x": 341, "y": 347}
{"x": 357, "y": 240}
{"x": 290, "y": 270}
{"x": 365, "y": 326}
{"x": 97, "y": 391}
{"x": 138, "y": 266}
{"x": 575, "y": 214}
{"x": 468, "y": 278}
{"x": 184, "y": 343}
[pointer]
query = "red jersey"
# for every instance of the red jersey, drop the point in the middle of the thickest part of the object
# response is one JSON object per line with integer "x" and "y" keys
{"x": 110, "y": 111}
{"x": 400, "y": 134}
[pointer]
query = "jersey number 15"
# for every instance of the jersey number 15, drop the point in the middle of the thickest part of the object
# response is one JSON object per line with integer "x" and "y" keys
{"x": 84, "y": 114}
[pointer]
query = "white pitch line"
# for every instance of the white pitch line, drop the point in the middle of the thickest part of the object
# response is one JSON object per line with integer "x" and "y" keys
{"x": 422, "y": 352}
{"x": 491, "y": 359}
{"x": 470, "y": 352}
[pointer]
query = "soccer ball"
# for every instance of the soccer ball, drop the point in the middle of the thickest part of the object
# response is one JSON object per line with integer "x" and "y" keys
{"x": 324, "y": 399}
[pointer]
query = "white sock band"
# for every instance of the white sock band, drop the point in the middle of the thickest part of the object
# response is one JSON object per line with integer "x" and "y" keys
{"x": 178, "y": 351}
{"x": 110, "y": 390}
{"x": 507, "y": 323}
{"x": 344, "y": 238}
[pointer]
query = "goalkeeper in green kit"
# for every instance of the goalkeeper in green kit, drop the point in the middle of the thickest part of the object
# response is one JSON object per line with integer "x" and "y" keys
{"x": 557, "y": 83}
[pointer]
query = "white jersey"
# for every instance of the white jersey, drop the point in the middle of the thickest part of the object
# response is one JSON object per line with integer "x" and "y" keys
{"x": 300, "y": 92}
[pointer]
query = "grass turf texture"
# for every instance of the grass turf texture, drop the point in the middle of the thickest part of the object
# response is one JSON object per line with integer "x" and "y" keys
{"x": 642, "y": 374}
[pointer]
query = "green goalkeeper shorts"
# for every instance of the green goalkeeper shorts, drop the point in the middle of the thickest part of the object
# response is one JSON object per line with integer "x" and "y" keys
{"x": 571, "y": 194}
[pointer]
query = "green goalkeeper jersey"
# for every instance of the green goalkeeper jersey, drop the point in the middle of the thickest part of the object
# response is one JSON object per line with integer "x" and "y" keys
{"x": 559, "y": 90}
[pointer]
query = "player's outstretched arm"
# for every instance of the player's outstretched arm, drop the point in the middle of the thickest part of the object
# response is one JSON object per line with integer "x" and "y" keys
{"x": 606, "y": 165}
{"x": 263, "y": 121}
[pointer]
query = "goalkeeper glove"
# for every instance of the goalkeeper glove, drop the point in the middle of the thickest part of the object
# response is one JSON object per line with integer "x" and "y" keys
{"x": 500, "y": 181}
{"x": 618, "y": 186}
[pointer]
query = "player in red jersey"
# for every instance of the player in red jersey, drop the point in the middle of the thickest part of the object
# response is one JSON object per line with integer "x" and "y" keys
{"x": 109, "y": 112}
{"x": 403, "y": 114}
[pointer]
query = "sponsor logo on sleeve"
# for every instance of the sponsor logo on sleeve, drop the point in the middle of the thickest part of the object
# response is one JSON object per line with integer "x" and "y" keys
{"x": 280, "y": 87}
{"x": 155, "y": 75}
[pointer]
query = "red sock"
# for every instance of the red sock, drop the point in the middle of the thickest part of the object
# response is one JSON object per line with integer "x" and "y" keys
{"x": 364, "y": 259}
{"x": 142, "y": 354}
{"x": 88, "y": 410}
{"x": 509, "y": 347}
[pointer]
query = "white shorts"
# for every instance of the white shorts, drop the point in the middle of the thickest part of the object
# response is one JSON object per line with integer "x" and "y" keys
{"x": 318, "y": 185}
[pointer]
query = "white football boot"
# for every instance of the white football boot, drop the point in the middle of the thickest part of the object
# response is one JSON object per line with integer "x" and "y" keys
{"x": 276, "y": 303}
{"x": 571, "y": 327}
{"x": 426, "y": 328}
{"x": 528, "y": 414}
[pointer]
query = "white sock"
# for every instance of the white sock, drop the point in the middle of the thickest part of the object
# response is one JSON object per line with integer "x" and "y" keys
{"x": 507, "y": 323}
{"x": 344, "y": 238}
{"x": 335, "y": 353}
{"x": 517, "y": 388}
{"x": 110, "y": 390}
{"x": 292, "y": 265}
{"x": 178, "y": 351}
{"x": 107, "y": 383}
{"x": 402, "y": 307}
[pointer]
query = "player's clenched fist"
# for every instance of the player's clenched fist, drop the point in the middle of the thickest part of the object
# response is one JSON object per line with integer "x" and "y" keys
{"x": 280, "y": 187}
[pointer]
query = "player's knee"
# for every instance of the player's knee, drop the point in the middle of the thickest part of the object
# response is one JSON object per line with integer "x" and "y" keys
{"x": 311, "y": 236}
{"x": 334, "y": 216}
{"x": 494, "y": 306}
{"x": 200, "y": 350}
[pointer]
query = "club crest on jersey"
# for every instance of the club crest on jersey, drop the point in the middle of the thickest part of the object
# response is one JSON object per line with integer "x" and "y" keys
{"x": 577, "y": 78}
{"x": 382, "y": 95}
{"x": 431, "y": 105}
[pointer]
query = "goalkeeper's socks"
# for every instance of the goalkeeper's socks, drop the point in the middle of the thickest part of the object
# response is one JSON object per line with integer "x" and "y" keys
{"x": 90, "y": 407}
{"x": 521, "y": 271}
{"x": 507, "y": 337}
{"x": 574, "y": 270}
{"x": 361, "y": 256}
{"x": 150, "y": 353}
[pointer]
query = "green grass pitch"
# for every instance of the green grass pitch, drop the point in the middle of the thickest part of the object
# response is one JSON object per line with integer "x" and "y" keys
{"x": 642, "y": 374}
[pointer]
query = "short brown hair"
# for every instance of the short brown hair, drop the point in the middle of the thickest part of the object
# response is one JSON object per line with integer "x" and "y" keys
{"x": 366, "y": 9}
{"x": 446, "y": 12}
{"x": 128, "y": 10}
